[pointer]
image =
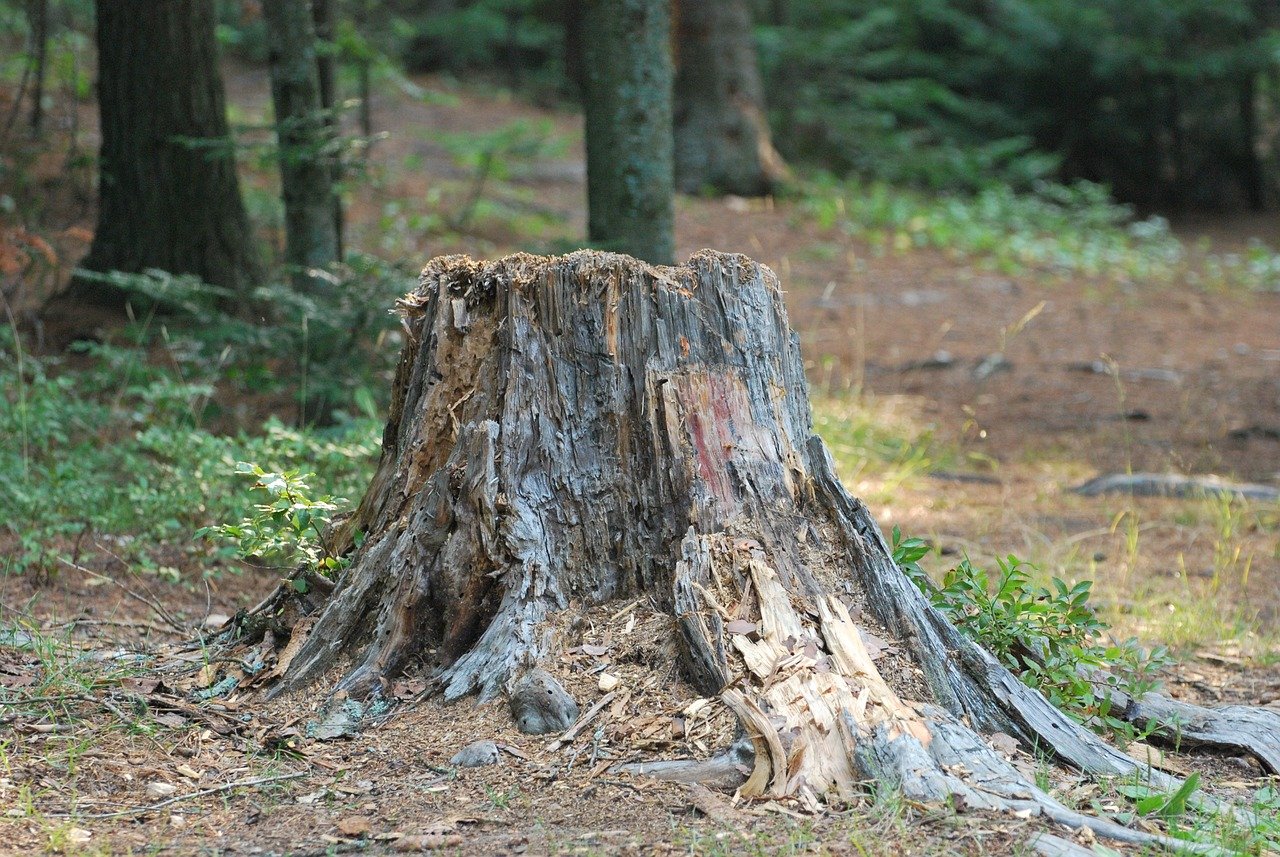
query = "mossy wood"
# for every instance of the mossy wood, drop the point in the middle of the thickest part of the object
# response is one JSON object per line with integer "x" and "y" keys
{"x": 570, "y": 431}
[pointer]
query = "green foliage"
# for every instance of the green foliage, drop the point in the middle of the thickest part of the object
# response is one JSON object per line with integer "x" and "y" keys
{"x": 1051, "y": 228}
{"x": 1158, "y": 100}
{"x": 523, "y": 40}
{"x": 1254, "y": 830}
{"x": 1048, "y": 636}
{"x": 288, "y": 529}
{"x": 499, "y": 156}
{"x": 893, "y": 91}
{"x": 1168, "y": 806}
{"x": 110, "y": 448}
{"x": 1054, "y": 228}
{"x": 342, "y": 352}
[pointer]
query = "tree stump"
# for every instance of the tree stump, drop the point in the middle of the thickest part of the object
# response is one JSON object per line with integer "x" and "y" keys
{"x": 576, "y": 430}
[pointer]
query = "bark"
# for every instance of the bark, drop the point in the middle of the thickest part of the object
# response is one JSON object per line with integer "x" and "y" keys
{"x": 572, "y": 431}
{"x": 38, "y": 14}
{"x": 306, "y": 157}
{"x": 168, "y": 193}
{"x": 1250, "y": 170}
{"x": 722, "y": 138}
{"x": 322, "y": 13}
{"x": 627, "y": 103}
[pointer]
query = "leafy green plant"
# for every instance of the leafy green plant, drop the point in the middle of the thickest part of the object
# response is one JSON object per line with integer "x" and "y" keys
{"x": 1253, "y": 829}
{"x": 1058, "y": 229}
{"x": 1167, "y": 805}
{"x": 286, "y": 530}
{"x": 1048, "y": 636}
{"x": 110, "y": 448}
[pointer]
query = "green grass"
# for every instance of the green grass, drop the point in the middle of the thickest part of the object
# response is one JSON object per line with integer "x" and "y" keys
{"x": 876, "y": 444}
{"x": 1076, "y": 230}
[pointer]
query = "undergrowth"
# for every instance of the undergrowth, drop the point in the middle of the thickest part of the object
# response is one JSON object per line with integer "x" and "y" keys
{"x": 1050, "y": 637}
{"x": 116, "y": 449}
{"x": 1058, "y": 229}
{"x": 288, "y": 529}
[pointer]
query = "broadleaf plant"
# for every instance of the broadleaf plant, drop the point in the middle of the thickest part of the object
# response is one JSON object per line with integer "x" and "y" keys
{"x": 288, "y": 529}
{"x": 1050, "y": 637}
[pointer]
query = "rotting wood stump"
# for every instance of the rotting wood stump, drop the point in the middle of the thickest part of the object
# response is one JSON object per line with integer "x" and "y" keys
{"x": 569, "y": 431}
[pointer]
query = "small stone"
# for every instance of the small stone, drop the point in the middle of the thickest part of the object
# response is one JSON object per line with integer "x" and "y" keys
{"x": 608, "y": 682}
{"x": 476, "y": 755}
{"x": 78, "y": 836}
{"x": 176, "y": 820}
{"x": 540, "y": 704}
{"x": 160, "y": 789}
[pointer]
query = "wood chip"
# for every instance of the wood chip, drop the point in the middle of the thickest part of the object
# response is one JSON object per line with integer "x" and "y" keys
{"x": 355, "y": 825}
{"x": 712, "y": 805}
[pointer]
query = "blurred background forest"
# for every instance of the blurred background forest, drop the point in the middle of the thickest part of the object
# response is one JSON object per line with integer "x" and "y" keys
{"x": 927, "y": 176}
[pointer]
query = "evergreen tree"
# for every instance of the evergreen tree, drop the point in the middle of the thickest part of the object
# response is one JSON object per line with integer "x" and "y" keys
{"x": 306, "y": 157}
{"x": 627, "y": 101}
{"x": 168, "y": 193}
{"x": 722, "y": 132}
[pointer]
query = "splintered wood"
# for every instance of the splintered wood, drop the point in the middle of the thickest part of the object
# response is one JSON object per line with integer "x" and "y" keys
{"x": 811, "y": 673}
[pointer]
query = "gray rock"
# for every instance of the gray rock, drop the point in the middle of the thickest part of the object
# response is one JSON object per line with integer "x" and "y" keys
{"x": 1174, "y": 485}
{"x": 540, "y": 704}
{"x": 476, "y": 755}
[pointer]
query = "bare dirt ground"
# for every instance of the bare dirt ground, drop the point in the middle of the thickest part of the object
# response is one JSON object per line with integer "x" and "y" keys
{"x": 1106, "y": 377}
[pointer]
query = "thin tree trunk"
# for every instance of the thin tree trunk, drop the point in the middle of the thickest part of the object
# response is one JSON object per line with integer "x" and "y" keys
{"x": 169, "y": 197}
{"x": 722, "y": 138}
{"x": 311, "y": 241}
{"x": 1251, "y": 175}
{"x": 39, "y": 15}
{"x": 570, "y": 432}
{"x": 366, "y": 100}
{"x": 327, "y": 70}
{"x": 627, "y": 102}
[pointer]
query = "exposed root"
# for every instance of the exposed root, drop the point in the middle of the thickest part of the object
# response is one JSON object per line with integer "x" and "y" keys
{"x": 971, "y": 684}
{"x": 1244, "y": 729}
{"x": 726, "y": 770}
{"x": 823, "y": 720}
{"x": 518, "y": 638}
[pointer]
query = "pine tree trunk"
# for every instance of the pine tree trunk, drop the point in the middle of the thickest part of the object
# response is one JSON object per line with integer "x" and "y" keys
{"x": 627, "y": 103}
{"x": 722, "y": 138}
{"x": 573, "y": 431}
{"x": 306, "y": 180}
{"x": 38, "y": 15}
{"x": 168, "y": 193}
{"x": 322, "y": 12}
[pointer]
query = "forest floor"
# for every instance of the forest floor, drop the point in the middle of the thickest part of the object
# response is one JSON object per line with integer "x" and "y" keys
{"x": 999, "y": 392}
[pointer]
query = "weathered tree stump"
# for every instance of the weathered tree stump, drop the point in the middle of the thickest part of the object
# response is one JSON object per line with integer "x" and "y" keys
{"x": 589, "y": 428}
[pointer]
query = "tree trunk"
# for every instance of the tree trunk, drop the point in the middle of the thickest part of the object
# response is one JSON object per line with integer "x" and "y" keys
{"x": 168, "y": 193}
{"x": 722, "y": 136}
{"x": 322, "y": 12}
{"x": 306, "y": 157}
{"x": 627, "y": 103}
{"x": 1252, "y": 176}
{"x": 572, "y": 431}
{"x": 38, "y": 14}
